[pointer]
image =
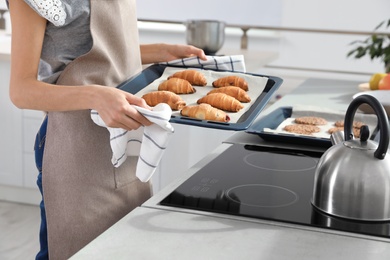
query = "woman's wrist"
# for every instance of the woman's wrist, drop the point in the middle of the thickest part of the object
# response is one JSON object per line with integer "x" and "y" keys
{"x": 161, "y": 52}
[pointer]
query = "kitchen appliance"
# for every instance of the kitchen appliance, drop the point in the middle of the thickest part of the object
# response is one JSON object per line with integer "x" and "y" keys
{"x": 352, "y": 179}
{"x": 208, "y": 35}
{"x": 264, "y": 182}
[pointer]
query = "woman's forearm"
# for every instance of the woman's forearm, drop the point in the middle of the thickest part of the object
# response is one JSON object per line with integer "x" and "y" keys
{"x": 152, "y": 53}
{"x": 161, "y": 52}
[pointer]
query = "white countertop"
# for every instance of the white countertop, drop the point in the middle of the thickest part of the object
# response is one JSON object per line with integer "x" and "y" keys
{"x": 153, "y": 231}
{"x": 161, "y": 234}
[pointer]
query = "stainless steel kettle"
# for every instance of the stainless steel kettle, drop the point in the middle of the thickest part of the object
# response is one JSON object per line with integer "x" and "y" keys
{"x": 352, "y": 178}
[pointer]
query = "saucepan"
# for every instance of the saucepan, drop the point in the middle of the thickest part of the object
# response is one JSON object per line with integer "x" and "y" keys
{"x": 208, "y": 35}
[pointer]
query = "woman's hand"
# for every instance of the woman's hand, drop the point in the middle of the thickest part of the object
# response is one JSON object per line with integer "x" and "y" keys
{"x": 115, "y": 108}
{"x": 173, "y": 52}
{"x": 154, "y": 53}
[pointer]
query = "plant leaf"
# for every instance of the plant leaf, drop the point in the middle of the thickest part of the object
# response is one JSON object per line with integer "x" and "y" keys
{"x": 375, "y": 46}
{"x": 378, "y": 26}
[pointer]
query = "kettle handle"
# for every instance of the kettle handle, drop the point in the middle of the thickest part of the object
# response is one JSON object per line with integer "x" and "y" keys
{"x": 383, "y": 122}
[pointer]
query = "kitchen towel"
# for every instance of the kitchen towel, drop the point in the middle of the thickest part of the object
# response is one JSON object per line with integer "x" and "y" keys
{"x": 153, "y": 144}
{"x": 224, "y": 63}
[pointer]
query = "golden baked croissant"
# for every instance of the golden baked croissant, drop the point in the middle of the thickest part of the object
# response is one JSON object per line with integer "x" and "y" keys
{"x": 193, "y": 76}
{"x": 222, "y": 101}
{"x": 231, "y": 81}
{"x": 205, "y": 112}
{"x": 233, "y": 91}
{"x": 176, "y": 85}
{"x": 170, "y": 98}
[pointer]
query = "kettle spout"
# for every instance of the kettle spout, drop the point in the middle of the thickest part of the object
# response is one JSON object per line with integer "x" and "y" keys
{"x": 337, "y": 137}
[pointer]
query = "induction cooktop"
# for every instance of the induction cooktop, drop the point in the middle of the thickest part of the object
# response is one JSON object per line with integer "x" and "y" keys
{"x": 265, "y": 183}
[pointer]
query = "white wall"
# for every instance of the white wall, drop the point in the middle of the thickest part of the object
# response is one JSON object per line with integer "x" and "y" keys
{"x": 328, "y": 51}
{"x": 331, "y": 14}
{"x": 231, "y": 11}
{"x": 361, "y": 15}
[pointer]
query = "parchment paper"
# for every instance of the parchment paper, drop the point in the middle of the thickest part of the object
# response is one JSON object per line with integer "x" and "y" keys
{"x": 256, "y": 86}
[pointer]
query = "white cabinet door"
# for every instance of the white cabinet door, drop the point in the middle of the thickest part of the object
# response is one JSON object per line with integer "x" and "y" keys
{"x": 11, "y": 159}
{"x": 188, "y": 145}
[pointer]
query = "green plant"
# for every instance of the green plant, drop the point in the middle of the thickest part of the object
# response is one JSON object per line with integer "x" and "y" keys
{"x": 376, "y": 46}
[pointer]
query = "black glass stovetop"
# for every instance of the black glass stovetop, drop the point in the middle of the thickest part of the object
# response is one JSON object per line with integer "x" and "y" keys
{"x": 264, "y": 183}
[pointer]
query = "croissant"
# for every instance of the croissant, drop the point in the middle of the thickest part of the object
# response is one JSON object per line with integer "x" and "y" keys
{"x": 205, "y": 112}
{"x": 233, "y": 91}
{"x": 193, "y": 76}
{"x": 231, "y": 81}
{"x": 222, "y": 101}
{"x": 176, "y": 85}
{"x": 170, "y": 98}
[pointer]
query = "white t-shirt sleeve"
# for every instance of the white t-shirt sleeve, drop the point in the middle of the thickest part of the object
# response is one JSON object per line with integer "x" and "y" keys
{"x": 51, "y": 10}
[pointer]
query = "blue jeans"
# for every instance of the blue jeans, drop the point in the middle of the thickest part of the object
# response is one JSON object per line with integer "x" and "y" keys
{"x": 39, "y": 148}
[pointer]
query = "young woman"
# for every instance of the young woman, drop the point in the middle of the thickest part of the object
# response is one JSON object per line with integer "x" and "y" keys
{"x": 67, "y": 58}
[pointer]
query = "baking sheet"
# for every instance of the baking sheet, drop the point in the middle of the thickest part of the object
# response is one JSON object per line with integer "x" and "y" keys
{"x": 271, "y": 126}
{"x": 261, "y": 89}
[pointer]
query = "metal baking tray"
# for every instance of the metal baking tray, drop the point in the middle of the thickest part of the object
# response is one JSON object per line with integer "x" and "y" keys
{"x": 274, "y": 119}
{"x": 150, "y": 74}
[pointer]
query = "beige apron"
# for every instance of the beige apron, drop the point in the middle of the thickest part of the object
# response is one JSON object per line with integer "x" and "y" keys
{"x": 83, "y": 193}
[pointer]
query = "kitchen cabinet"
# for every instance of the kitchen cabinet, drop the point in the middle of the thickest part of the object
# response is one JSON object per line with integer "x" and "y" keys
{"x": 11, "y": 134}
{"x": 17, "y": 168}
{"x": 187, "y": 146}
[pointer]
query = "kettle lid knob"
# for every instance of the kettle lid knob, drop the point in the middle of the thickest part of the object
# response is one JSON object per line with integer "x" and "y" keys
{"x": 364, "y": 133}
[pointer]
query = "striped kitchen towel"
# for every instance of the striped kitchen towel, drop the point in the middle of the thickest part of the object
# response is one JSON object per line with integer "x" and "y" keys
{"x": 153, "y": 144}
{"x": 224, "y": 63}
